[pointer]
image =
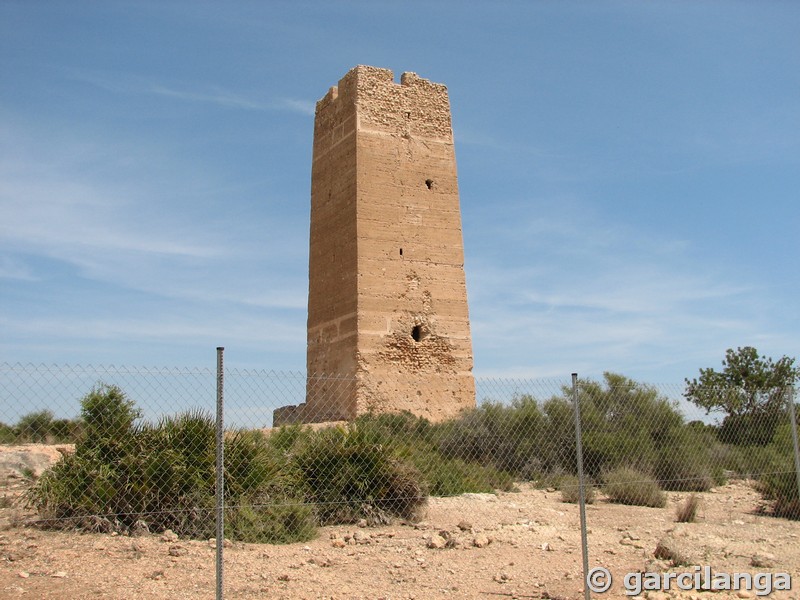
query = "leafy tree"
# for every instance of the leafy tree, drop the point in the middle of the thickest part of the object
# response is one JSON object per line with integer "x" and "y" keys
{"x": 35, "y": 426}
{"x": 750, "y": 390}
{"x": 109, "y": 417}
{"x": 626, "y": 424}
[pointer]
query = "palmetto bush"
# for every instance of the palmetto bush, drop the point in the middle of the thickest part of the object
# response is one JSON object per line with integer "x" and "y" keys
{"x": 351, "y": 473}
{"x": 164, "y": 474}
{"x": 278, "y": 487}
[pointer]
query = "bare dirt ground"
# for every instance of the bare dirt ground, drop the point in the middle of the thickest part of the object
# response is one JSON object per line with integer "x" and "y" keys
{"x": 523, "y": 544}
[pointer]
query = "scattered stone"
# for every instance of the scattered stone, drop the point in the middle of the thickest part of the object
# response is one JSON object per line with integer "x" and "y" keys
{"x": 502, "y": 577}
{"x": 766, "y": 561}
{"x": 338, "y": 543}
{"x": 137, "y": 548}
{"x": 362, "y": 537}
{"x": 156, "y": 575}
{"x": 484, "y": 497}
{"x": 744, "y": 594}
{"x": 178, "y": 550}
{"x": 15, "y": 556}
{"x": 362, "y": 523}
{"x": 481, "y": 540}
{"x": 98, "y": 524}
{"x": 24, "y": 574}
{"x": 284, "y": 577}
{"x": 170, "y": 536}
{"x": 59, "y": 574}
{"x": 450, "y": 540}
{"x": 676, "y": 552}
{"x": 465, "y": 526}
{"x": 437, "y": 541}
{"x": 547, "y": 547}
{"x": 656, "y": 566}
{"x": 140, "y": 528}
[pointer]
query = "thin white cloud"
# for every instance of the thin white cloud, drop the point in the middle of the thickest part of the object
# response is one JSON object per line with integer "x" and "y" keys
{"x": 207, "y": 94}
{"x": 590, "y": 296}
{"x": 71, "y": 202}
{"x": 62, "y": 217}
{"x": 11, "y": 268}
{"x": 301, "y": 106}
{"x": 161, "y": 328}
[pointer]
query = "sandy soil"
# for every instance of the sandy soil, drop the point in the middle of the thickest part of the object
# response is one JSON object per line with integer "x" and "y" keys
{"x": 523, "y": 544}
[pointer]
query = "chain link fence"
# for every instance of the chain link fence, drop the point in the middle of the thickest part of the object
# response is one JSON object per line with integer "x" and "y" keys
{"x": 137, "y": 450}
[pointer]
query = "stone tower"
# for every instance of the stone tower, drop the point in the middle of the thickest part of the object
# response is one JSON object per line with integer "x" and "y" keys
{"x": 387, "y": 301}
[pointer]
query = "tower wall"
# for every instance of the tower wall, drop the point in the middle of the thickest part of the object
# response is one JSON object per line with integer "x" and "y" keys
{"x": 387, "y": 306}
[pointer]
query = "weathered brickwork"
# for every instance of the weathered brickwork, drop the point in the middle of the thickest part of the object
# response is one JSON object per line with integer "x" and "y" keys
{"x": 387, "y": 304}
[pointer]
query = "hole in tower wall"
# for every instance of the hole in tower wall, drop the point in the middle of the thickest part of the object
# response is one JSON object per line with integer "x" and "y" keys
{"x": 418, "y": 333}
{"x": 401, "y": 252}
{"x": 429, "y": 183}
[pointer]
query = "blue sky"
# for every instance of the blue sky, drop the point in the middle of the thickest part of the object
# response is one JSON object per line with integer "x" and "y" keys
{"x": 629, "y": 176}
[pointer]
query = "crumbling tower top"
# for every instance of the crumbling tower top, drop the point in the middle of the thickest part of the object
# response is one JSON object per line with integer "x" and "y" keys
{"x": 415, "y": 106}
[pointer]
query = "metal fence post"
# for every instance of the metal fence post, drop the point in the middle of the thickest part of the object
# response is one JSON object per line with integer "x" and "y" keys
{"x": 220, "y": 468}
{"x": 581, "y": 486}
{"x": 793, "y": 419}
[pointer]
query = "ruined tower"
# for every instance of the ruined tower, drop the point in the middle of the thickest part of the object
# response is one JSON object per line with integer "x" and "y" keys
{"x": 388, "y": 325}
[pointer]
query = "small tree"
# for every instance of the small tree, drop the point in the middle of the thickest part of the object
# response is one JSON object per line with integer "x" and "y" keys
{"x": 109, "y": 417}
{"x": 35, "y": 426}
{"x": 750, "y": 390}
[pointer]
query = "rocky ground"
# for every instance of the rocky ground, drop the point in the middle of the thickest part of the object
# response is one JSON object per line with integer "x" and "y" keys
{"x": 523, "y": 544}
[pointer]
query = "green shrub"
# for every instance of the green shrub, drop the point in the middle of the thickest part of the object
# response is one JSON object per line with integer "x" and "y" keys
{"x": 164, "y": 473}
{"x": 35, "y": 427}
{"x": 453, "y": 476}
{"x": 351, "y": 473}
{"x": 7, "y": 434}
{"x": 272, "y": 522}
{"x": 570, "y": 489}
{"x": 41, "y": 427}
{"x": 687, "y": 512}
{"x": 506, "y": 438}
{"x": 417, "y": 441}
{"x": 629, "y": 486}
{"x": 624, "y": 424}
{"x": 778, "y": 485}
{"x": 109, "y": 417}
{"x": 683, "y": 462}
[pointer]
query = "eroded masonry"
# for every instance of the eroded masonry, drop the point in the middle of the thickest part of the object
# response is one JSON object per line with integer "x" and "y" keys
{"x": 388, "y": 324}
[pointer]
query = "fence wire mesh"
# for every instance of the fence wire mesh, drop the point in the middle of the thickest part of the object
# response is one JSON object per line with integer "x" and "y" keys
{"x": 136, "y": 450}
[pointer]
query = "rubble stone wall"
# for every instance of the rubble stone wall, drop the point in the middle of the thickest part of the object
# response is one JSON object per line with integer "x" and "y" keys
{"x": 387, "y": 292}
